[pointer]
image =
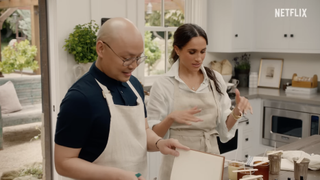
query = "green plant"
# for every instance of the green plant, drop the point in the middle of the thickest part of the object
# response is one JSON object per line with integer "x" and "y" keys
{"x": 242, "y": 63}
{"x": 20, "y": 55}
{"x": 82, "y": 42}
{"x": 152, "y": 50}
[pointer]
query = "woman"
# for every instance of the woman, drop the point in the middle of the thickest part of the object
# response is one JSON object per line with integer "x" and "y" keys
{"x": 190, "y": 102}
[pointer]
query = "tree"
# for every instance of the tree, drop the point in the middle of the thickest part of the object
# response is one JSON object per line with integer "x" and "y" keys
{"x": 173, "y": 18}
{"x": 152, "y": 50}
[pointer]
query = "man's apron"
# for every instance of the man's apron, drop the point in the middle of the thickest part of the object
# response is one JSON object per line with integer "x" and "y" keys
{"x": 127, "y": 142}
{"x": 199, "y": 136}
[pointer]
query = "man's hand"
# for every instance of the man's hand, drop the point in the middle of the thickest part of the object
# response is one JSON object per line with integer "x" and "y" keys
{"x": 186, "y": 116}
{"x": 168, "y": 146}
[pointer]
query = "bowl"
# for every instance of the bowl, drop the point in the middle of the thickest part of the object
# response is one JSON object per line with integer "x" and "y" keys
{"x": 227, "y": 78}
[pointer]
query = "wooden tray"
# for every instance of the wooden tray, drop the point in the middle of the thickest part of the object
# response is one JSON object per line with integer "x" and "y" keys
{"x": 305, "y": 84}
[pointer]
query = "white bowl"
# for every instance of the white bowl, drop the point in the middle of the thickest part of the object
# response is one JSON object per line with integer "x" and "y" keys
{"x": 227, "y": 78}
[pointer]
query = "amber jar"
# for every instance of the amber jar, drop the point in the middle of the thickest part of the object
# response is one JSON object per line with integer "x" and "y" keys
{"x": 263, "y": 169}
{"x": 240, "y": 174}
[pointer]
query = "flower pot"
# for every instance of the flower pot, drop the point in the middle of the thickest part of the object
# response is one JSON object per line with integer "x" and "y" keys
{"x": 80, "y": 69}
{"x": 243, "y": 76}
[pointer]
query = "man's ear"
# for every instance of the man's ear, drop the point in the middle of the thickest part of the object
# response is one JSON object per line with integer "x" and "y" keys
{"x": 99, "y": 49}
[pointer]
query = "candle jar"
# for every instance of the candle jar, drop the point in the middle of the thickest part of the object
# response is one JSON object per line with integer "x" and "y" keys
{"x": 233, "y": 166}
{"x": 263, "y": 169}
{"x": 244, "y": 173}
{"x": 301, "y": 169}
{"x": 275, "y": 163}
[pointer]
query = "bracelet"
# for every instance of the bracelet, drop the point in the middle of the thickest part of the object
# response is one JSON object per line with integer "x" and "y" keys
{"x": 157, "y": 142}
{"x": 234, "y": 116}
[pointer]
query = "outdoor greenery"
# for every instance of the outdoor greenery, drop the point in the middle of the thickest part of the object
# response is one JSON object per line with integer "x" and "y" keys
{"x": 20, "y": 55}
{"x": 82, "y": 42}
{"x": 242, "y": 63}
{"x": 152, "y": 50}
{"x": 173, "y": 18}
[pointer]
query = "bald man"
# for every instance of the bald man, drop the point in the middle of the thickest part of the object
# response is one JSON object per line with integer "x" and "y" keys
{"x": 102, "y": 130}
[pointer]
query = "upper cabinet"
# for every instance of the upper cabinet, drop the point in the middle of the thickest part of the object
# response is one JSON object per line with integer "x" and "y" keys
{"x": 230, "y": 25}
{"x": 246, "y": 25}
{"x": 296, "y": 30}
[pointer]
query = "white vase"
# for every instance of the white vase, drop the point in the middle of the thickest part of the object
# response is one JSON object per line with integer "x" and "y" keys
{"x": 80, "y": 69}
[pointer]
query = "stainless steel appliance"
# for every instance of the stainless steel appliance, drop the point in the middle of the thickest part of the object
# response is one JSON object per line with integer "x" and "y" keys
{"x": 286, "y": 122}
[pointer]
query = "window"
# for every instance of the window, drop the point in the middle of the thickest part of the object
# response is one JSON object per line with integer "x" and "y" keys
{"x": 162, "y": 17}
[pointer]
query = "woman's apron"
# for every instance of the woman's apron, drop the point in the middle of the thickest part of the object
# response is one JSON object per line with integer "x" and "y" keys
{"x": 127, "y": 142}
{"x": 199, "y": 136}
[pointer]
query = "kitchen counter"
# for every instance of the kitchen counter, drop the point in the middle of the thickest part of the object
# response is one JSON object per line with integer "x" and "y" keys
{"x": 280, "y": 95}
{"x": 309, "y": 145}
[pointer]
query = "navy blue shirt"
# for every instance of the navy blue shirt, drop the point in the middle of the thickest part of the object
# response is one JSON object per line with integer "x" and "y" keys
{"x": 84, "y": 117}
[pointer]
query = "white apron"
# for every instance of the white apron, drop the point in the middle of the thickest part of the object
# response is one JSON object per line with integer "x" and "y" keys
{"x": 127, "y": 143}
{"x": 198, "y": 136}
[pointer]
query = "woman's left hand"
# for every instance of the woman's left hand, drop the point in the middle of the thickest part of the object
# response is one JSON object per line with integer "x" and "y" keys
{"x": 242, "y": 104}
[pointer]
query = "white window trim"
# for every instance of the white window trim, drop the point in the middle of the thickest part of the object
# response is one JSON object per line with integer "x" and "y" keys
{"x": 195, "y": 12}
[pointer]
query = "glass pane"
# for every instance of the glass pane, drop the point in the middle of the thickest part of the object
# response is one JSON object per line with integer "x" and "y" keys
{"x": 287, "y": 126}
{"x": 155, "y": 50}
{"x": 174, "y": 13}
{"x": 170, "y": 48}
{"x": 152, "y": 12}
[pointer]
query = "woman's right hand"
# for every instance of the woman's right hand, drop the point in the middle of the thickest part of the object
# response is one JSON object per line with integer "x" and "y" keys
{"x": 186, "y": 116}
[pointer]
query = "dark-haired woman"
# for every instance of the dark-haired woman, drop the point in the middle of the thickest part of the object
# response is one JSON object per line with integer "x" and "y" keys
{"x": 189, "y": 102}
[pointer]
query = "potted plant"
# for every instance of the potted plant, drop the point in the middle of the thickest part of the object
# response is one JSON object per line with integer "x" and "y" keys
{"x": 242, "y": 69}
{"x": 19, "y": 56}
{"x": 82, "y": 44}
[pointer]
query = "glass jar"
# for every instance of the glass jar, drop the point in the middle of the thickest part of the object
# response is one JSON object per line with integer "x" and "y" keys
{"x": 263, "y": 169}
{"x": 275, "y": 163}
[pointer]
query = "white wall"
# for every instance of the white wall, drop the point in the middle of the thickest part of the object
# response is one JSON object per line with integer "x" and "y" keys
{"x": 63, "y": 16}
{"x": 302, "y": 64}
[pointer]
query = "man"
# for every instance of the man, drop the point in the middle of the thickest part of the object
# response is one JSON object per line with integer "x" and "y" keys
{"x": 102, "y": 131}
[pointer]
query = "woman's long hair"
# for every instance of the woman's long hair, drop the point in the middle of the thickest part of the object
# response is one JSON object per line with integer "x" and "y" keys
{"x": 182, "y": 36}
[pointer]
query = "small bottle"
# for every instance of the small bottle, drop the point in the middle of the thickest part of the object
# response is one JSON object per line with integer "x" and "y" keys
{"x": 253, "y": 79}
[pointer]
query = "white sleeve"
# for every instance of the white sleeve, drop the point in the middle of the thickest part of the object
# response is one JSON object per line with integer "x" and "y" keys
{"x": 158, "y": 106}
{"x": 225, "y": 104}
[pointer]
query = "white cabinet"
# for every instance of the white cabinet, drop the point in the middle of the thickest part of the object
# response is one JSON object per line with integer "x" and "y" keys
{"x": 288, "y": 33}
{"x": 154, "y": 162}
{"x": 250, "y": 133}
{"x": 230, "y": 25}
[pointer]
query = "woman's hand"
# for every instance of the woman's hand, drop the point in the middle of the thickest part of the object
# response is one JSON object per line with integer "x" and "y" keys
{"x": 168, "y": 146}
{"x": 242, "y": 105}
{"x": 186, "y": 116}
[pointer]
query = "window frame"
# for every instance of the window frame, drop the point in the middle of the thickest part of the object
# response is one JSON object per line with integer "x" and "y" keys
{"x": 148, "y": 80}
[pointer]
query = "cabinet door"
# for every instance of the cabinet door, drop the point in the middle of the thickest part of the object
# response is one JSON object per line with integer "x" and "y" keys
{"x": 306, "y": 30}
{"x": 154, "y": 161}
{"x": 269, "y": 29}
{"x": 242, "y": 25}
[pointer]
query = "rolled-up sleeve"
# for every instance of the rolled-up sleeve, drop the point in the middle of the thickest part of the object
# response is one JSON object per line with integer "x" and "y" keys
{"x": 158, "y": 106}
{"x": 225, "y": 103}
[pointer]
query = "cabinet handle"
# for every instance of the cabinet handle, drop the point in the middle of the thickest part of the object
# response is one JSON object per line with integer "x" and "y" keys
{"x": 291, "y": 35}
{"x": 285, "y": 35}
{"x": 247, "y": 122}
{"x": 236, "y": 35}
{"x": 247, "y": 139}
{"x": 246, "y": 156}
